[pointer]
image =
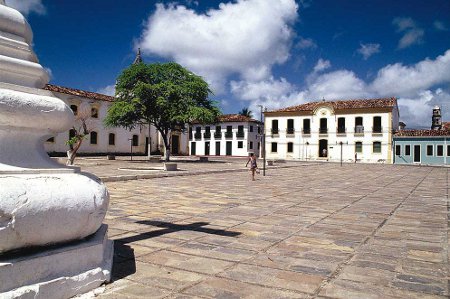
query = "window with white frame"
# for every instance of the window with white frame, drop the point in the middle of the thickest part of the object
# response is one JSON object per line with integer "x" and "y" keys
{"x": 407, "y": 150}
{"x": 429, "y": 150}
{"x": 377, "y": 147}
{"x": 439, "y": 150}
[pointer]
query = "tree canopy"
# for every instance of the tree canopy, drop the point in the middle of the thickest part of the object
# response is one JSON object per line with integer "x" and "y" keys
{"x": 165, "y": 95}
{"x": 246, "y": 112}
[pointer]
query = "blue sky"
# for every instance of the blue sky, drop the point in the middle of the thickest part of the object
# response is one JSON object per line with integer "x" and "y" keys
{"x": 276, "y": 53}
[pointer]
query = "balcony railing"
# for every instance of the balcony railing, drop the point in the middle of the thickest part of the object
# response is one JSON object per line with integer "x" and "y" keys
{"x": 228, "y": 134}
{"x": 359, "y": 130}
{"x": 240, "y": 134}
{"x": 207, "y": 135}
{"x": 323, "y": 130}
{"x": 198, "y": 135}
{"x": 306, "y": 131}
{"x": 341, "y": 130}
{"x": 218, "y": 135}
{"x": 290, "y": 131}
{"x": 377, "y": 129}
{"x": 274, "y": 131}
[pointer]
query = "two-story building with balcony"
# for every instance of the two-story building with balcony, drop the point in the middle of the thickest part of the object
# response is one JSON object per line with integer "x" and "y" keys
{"x": 232, "y": 135}
{"x": 350, "y": 130}
{"x": 103, "y": 140}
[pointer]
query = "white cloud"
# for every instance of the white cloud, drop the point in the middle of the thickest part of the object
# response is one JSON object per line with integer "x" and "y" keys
{"x": 306, "y": 43}
{"x": 418, "y": 88}
{"x": 109, "y": 90}
{"x": 321, "y": 65}
{"x": 49, "y": 72}
{"x": 438, "y": 25}
{"x": 27, "y": 6}
{"x": 408, "y": 80}
{"x": 244, "y": 37}
{"x": 367, "y": 50}
{"x": 270, "y": 89}
{"x": 412, "y": 34}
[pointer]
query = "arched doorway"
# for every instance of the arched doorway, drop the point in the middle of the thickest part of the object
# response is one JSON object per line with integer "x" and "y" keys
{"x": 323, "y": 148}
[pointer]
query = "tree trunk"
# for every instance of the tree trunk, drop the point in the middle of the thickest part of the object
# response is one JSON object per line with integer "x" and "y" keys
{"x": 72, "y": 153}
{"x": 165, "y": 137}
{"x": 149, "y": 153}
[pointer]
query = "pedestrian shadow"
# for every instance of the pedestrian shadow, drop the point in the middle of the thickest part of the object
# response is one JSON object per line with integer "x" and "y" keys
{"x": 168, "y": 227}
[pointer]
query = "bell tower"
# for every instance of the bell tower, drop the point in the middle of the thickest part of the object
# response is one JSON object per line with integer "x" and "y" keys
{"x": 436, "y": 119}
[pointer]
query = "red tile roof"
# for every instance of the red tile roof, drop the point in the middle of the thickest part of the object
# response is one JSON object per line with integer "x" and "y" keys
{"x": 235, "y": 118}
{"x": 446, "y": 126}
{"x": 80, "y": 93}
{"x": 344, "y": 104}
{"x": 422, "y": 133}
{"x": 232, "y": 118}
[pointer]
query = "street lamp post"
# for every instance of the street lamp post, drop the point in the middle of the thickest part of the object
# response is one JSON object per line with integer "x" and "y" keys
{"x": 263, "y": 140}
{"x": 341, "y": 151}
{"x": 131, "y": 148}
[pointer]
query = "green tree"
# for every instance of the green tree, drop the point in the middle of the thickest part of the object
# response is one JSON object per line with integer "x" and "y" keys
{"x": 165, "y": 95}
{"x": 246, "y": 112}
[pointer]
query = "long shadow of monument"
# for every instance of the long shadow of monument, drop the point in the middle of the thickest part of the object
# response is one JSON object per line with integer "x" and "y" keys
{"x": 124, "y": 258}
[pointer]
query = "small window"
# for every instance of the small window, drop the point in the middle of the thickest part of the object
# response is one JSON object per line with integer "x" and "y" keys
{"x": 112, "y": 139}
{"x": 218, "y": 129}
{"x": 290, "y": 126}
{"x": 377, "y": 124}
{"x": 259, "y": 130}
{"x": 93, "y": 137}
{"x": 429, "y": 150}
{"x": 398, "y": 150}
{"x": 290, "y": 147}
{"x": 358, "y": 147}
{"x": 274, "y": 147}
{"x": 229, "y": 128}
{"x": 94, "y": 112}
{"x": 274, "y": 126}
{"x": 250, "y": 145}
{"x": 408, "y": 150}
{"x": 51, "y": 140}
{"x": 240, "y": 144}
{"x": 341, "y": 125}
{"x": 74, "y": 109}
{"x": 448, "y": 150}
{"x": 439, "y": 150}
{"x": 307, "y": 126}
{"x": 251, "y": 128}
{"x": 377, "y": 147}
{"x": 135, "y": 140}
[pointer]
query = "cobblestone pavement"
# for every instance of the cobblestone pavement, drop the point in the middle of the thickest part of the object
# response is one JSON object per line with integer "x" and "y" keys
{"x": 311, "y": 231}
{"x": 124, "y": 169}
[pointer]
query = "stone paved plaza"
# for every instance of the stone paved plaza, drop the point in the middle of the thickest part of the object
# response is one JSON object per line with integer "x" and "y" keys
{"x": 309, "y": 231}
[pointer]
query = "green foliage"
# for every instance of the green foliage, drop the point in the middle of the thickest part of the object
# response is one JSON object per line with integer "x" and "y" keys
{"x": 75, "y": 139}
{"x": 163, "y": 94}
{"x": 246, "y": 112}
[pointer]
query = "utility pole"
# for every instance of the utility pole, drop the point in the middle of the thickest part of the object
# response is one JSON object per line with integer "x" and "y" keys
{"x": 263, "y": 139}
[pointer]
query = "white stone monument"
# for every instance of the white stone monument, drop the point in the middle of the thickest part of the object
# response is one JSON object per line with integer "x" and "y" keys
{"x": 52, "y": 241}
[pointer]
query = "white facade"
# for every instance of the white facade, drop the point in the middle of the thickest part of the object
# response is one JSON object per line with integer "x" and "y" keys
{"x": 234, "y": 139}
{"x": 112, "y": 140}
{"x": 365, "y": 132}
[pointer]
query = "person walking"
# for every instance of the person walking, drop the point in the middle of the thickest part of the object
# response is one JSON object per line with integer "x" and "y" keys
{"x": 253, "y": 165}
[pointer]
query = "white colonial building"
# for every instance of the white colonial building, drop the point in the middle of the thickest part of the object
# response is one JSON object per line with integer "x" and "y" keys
{"x": 102, "y": 140}
{"x": 233, "y": 135}
{"x": 359, "y": 129}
